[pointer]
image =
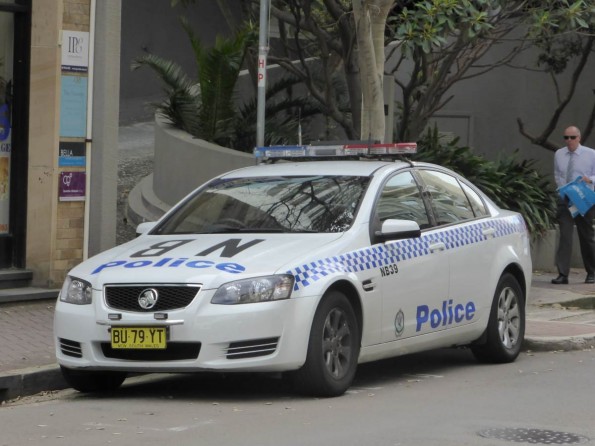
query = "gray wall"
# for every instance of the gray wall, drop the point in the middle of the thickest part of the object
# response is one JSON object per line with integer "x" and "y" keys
{"x": 153, "y": 26}
{"x": 483, "y": 111}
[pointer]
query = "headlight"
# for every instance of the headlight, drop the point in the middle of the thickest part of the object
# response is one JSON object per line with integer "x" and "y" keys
{"x": 260, "y": 289}
{"x": 76, "y": 291}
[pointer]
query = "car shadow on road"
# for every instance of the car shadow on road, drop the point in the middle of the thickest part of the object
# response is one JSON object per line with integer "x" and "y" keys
{"x": 255, "y": 387}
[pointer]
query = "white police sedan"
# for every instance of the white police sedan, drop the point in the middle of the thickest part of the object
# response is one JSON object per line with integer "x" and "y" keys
{"x": 307, "y": 268}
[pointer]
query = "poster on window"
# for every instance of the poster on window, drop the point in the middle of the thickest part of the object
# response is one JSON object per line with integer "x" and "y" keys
{"x": 5, "y": 148}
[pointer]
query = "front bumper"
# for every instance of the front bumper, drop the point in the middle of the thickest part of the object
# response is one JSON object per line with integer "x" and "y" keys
{"x": 267, "y": 336}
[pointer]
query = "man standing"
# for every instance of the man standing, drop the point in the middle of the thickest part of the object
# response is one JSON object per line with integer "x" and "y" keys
{"x": 570, "y": 162}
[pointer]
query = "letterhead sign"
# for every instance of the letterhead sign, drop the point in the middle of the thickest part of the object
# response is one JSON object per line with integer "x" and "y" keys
{"x": 73, "y": 106}
{"x": 75, "y": 51}
{"x": 72, "y": 154}
{"x": 72, "y": 186}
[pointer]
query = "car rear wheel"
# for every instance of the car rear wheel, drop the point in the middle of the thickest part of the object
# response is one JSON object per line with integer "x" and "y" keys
{"x": 506, "y": 327}
{"x": 333, "y": 349}
{"x": 93, "y": 381}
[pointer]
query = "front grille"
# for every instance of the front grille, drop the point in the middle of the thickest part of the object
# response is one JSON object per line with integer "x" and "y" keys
{"x": 174, "y": 351}
{"x": 252, "y": 349}
{"x": 171, "y": 297}
{"x": 70, "y": 348}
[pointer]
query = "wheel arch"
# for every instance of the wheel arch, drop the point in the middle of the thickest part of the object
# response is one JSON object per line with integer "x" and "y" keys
{"x": 517, "y": 272}
{"x": 350, "y": 291}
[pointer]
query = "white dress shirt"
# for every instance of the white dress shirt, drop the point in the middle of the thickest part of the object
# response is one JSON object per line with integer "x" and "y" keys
{"x": 584, "y": 164}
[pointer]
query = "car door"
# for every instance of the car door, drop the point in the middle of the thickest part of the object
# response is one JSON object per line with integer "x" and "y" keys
{"x": 416, "y": 271}
{"x": 463, "y": 224}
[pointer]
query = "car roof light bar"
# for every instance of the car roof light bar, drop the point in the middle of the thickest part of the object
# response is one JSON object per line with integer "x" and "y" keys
{"x": 335, "y": 151}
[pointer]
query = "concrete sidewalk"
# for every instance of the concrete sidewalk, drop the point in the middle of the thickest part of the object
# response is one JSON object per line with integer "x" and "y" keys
{"x": 559, "y": 317}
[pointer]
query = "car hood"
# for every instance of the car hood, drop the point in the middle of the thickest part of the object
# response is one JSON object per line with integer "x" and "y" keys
{"x": 209, "y": 259}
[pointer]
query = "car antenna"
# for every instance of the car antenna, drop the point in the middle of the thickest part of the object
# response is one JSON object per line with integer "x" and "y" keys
{"x": 300, "y": 127}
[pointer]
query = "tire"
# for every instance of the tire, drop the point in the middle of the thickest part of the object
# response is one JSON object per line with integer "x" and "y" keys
{"x": 506, "y": 327}
{"x": 93, "y": 381}
{"x": 333, "y": 349}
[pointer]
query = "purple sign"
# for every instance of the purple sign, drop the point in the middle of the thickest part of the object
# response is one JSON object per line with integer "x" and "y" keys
{"x": 72, "y": 186}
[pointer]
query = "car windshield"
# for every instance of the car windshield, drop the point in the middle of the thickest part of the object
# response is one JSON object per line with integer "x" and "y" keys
{"x": 269, "y": 204}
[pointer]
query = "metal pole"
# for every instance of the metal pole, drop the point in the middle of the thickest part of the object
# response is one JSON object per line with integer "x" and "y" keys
{"x": 263, "y": 50}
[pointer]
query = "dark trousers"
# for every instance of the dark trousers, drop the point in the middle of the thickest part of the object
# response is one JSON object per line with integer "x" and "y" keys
{"x": 584, "y": 226}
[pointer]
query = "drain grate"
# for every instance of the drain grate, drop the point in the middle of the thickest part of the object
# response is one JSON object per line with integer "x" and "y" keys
{"x": 533, "y": 436}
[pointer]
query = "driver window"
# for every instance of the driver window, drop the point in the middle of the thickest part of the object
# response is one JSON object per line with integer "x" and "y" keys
{"x": 401, "y": 199}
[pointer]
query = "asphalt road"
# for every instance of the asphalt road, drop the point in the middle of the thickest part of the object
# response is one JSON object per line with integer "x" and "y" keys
{"x": 439, "y": 398}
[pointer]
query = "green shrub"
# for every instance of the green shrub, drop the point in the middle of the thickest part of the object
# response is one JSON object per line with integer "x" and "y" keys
{"x": 512, "y": 183}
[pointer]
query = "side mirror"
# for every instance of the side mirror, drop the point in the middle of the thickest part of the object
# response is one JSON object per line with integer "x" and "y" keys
{"x": 143, "y": 228}
{"x": 397, "y": 230}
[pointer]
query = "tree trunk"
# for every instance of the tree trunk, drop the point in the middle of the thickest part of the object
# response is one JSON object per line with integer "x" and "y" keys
{"x": 370, "y": 20}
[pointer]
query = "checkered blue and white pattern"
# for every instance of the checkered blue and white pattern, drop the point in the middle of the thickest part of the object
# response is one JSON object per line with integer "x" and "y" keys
{"x": 402, "y": 250}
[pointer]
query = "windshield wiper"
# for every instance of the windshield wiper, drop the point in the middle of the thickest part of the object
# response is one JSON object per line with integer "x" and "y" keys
{"x": 257, "y": 230}
{"x": 234, "y": 229}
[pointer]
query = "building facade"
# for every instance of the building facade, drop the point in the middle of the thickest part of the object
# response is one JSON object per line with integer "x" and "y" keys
{"x": 61, "y": 65}
{"x": 58, "y": 135}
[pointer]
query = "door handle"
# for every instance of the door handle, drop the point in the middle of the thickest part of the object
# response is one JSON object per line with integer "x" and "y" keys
{"x": 438, "y": 246}
{"x": 488, "y": 232}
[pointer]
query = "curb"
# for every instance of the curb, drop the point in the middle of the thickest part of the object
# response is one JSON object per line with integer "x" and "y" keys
{"x": 33, "y": 380}
{"x": 558, "y": 343}
{"x": 21, "y": 383}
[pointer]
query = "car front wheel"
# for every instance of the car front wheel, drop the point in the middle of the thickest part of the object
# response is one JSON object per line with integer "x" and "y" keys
{"x": 506, "y": 326}
{"x": 333, "y": 349}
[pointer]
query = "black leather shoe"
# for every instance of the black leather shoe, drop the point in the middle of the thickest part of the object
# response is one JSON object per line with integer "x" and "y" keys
{"x": 590, "y": 278}
{"x": 560, "y": 280}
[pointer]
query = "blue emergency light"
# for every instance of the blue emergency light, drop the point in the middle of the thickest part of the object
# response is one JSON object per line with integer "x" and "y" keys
{"x": 331, "y": 150}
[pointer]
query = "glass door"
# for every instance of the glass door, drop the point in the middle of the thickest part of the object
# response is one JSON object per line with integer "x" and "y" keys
{"x": 6, "y": 70}
{"x": 15, "y": 56}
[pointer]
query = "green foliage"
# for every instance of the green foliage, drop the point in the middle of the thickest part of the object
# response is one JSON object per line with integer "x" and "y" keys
{"x": 427, "y": 25}
{"x": 558, "y": 30}
{"x": 510, "y": 182}
{"x": 182, "y": 104}
{"x": 206, "y": 107}
{"x": 218, "y": 71}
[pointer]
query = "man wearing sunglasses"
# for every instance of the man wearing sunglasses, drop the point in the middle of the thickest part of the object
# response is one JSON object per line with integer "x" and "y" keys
{"x": 570, "y": 162}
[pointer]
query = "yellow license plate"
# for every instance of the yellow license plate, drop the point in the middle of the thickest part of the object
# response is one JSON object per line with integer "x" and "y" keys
{"x": 138, "y": 337}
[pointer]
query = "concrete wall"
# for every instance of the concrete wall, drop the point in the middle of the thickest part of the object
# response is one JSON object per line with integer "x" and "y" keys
{"x": 484, "y": 110}
{"x": 543, "y": 252}
{"x": 182, "y": 162}
{"x": 153, "y": 26}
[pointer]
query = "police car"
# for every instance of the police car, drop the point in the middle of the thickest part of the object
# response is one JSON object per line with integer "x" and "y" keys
{"x": 304, "y": 267}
